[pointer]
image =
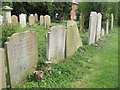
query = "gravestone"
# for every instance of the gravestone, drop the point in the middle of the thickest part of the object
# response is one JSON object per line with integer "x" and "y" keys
{"x": 92, "y": 27}
{"x": 22, "y": 18}
{"x": 7, "y": 14}
{"x": 1, "y": 20}
{"x": 36, "y": 17}
{"x": 73, "y": 39}
{"x": 98, "y": 31}
{"x": 2, "y": 70}
{"x": 47, "y": 21}
{"x": 31, "y": 19}
{"x": 107, "y": 27}
{"x": 81, "y": 21}
{"x": 14, "y": 20}
{"x": 102, "y": 32}
{"x": 41, "y": 19}
{"x": 112, "y": 20}
{"x": 56, "y": 43}
{"x": 22, "y": 56}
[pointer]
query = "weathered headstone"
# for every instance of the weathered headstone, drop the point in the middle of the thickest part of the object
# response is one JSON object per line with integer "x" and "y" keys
{"x": 92, "y": 27}
{"x": 14, "y": 20}
{"x": 73, "y": 39}
{"x": 22, "y": 18}
{"x": 41, "y": 19}
{"x": 98, "y": 31}
{"x": 107, "y": 27}
{"x": 56, "y": 44}
{"x": 7, "y": 14}
{"x": 102, "y": 32}
{"x": 47, "y": 21}
{"x": 36, "y": 17}
{"x": 1, "y": 20}
{"x": 112, "y": 20}
{"x": 2, "y": 70}
{"x": 81, "y": 21}
{"x": 22, "y": 56}
{"x": 31, "y": 19}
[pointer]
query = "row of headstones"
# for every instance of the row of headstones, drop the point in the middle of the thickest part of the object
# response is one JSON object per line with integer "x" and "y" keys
{"x": 46, "y": 20}
{"x": 95, "y": 29}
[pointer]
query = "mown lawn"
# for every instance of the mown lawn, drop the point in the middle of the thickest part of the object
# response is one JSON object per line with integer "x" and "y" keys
{"x": 93, "y": 68}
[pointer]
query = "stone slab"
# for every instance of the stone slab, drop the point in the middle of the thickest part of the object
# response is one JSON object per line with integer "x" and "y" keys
{"x": 92, "y": 27}
{"x": 107, "y": 27}
{"x": 36, "y": 17}
{"x": 14, "y": 19}
{"x": 56, "y": 44}
{"x": 41, "y": 19}
{"x": 31, "y": 19}
{"x": 112, "y": 20}
{"x": 102, "y": 32}
{"x": 2, "y": 70}
{"x": 73, "y": 39}
{"x": 22, "y": 18}
{"x": 47, "y": 21}
{"x": 22, "y": 56}
{"x": 1, "y": 19}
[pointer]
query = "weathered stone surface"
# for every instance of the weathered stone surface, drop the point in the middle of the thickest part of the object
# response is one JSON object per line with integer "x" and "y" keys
{"x": 98, "y": 31}
{"x": 31, "y": 19}
{"x": 36, "y": 17}
{"x": 22, "y": 18}
{"x": 73, "y": 39}
{"x": 22, "y": 56}
{"x": 81, "y": 21}
{"x": 2, "y": 70}
{"x": 7, "y": 14}
{"x": 112, "y": 20}
{"x": 107, "y": 27}
{"x": 14, "y": 20}
{"x": 102, "y": 32}
{"x": 41, "y": 19}
{"x": 92, "y": 27}
{"x": 56, "y": 44}
{"x": 1, "y": 20}
{"x": 47, "y": 21}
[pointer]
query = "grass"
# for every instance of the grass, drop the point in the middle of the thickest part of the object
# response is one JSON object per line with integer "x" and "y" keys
{"x": 92, "y": 68}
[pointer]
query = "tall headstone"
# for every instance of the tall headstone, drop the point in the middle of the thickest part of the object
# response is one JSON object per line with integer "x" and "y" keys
{"x": 1, "y": 19}
{"x": 102, "y": 32}
{"x": 41, "y": 19}
{"x": 81, "y": 21}
{"x": 98, "y": 31}
{"x": 36, "y": 17}
{"x": 107, "y": 27}
{"x": 47, "y": 21}
{"x": 92, "y": 27}
{"x": 56, "y": 44}
{"x": 112, "y": 20}
{"x": 2, "y": 70}
{"x": 22, "y": 56}
{"x": 14, "y": 20}
{"x": 22, "y": 18}
{"x": 73, "y": 39}
{"x": 7, "y": 14}
{"x": 31, "y": 19}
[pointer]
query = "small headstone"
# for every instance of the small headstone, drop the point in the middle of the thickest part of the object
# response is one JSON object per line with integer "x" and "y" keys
{"x": 47, "y": 21}
{"x": 1, "y": 20}
{"x": 14, "y": 20}
{"x": 22, "y": 18}
{"x": 81, "y": 21}
{"x": 22, "y": 56}
{"x": 36, "y": 17}
{"x": 112, "y": 20}
{"x": 2, "y": 70}
{"x": 102, "y": 32}
{"x": 7, "y": 14}
{"x": 31, "y": 19}
{"x": 92, "y": 27}
{"x": 98, "y": 31}
{"x": 41, "y": 19}
{"x": 56, "y": 44}
{"x": 107, "y": 27}
{"x": 73, "y": 39}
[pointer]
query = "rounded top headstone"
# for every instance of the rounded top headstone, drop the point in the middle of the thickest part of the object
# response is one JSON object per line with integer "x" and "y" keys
{"x": 7, "y": 8}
